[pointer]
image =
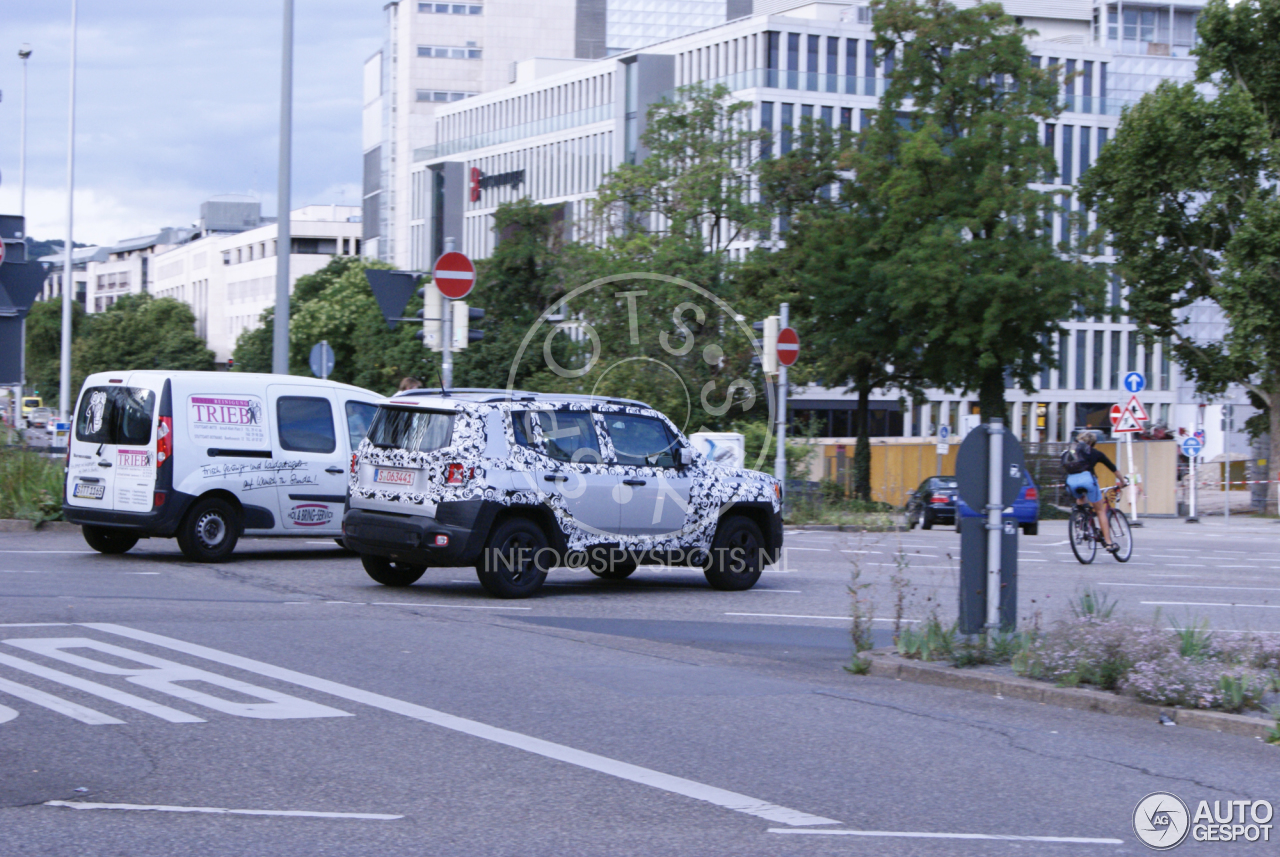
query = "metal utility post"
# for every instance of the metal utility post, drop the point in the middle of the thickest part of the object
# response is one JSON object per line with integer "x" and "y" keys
{"x": 284, "y": 237}
{"x": 68, "y": 262}
{"x": 995, "y": 505}
{"x": 780, "y": 460}
{"x": 446, "y": 331}
{"x": 24, "y": 53}
{"x": 1133, "y": 481}
{"x": 1192, "y": 519}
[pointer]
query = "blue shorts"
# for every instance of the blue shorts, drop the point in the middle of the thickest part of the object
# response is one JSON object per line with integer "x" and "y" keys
{"x": 1087, "y": 481}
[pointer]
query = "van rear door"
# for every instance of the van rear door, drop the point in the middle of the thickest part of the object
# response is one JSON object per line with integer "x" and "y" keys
{"x": 112, "y": 455}
{"x": 309, "y": 464}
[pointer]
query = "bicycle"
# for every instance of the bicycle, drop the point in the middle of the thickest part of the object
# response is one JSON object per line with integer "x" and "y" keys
{"x": 1085, "y": 535}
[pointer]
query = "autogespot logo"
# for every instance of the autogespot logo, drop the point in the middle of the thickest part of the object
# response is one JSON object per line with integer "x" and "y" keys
{"x": 1161, "y": 821}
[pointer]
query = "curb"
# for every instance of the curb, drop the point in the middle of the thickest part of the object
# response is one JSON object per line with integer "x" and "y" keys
{"x": 17, "y": 525}
{"x": 886, "y": 664}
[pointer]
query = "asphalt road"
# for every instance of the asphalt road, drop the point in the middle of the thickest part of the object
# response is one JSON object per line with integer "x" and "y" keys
{"x": 648, "y": 717}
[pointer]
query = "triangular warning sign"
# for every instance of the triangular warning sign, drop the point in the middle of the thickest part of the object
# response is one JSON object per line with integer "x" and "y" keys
{"x": 1135, "y": 407}
{"x": 1127, "y": 423}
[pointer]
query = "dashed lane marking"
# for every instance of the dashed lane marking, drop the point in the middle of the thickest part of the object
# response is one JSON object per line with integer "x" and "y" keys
{"x": 911, "y": 834}
{"x": 291, "y": 813}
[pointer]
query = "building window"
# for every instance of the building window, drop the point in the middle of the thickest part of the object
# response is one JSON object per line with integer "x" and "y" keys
{"x": 1082, "y": 354}
{"x": 793, "y": 60}
{"x": 771, "y": 58}
{"x": 452, "y": 53}
{"x": 1115, "y": 360}
{"x": 766, "y": 124}
{"x": 450, "y": 9}
{"x": 442, "y": 95}
{"x": 788, "y": 119}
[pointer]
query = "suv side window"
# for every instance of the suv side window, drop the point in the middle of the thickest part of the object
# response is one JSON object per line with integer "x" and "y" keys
{"x": 520, "y": 424}
{"x": 305, "y": 424}
{"x": 641, "y": 441}
{"x": 570, "y": 436}
{"x": 359, "y": 415}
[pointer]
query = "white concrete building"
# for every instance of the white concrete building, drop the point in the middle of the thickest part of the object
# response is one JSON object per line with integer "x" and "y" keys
{"x": 555, "y": 132}
{"x": 127, "y": 268}
{"x": 229, "y": 279}
{"x": 437, "y": 54}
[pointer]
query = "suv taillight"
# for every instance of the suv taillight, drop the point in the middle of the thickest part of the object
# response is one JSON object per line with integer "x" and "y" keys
{"x": 938, "y": 498}
{"x": 164, "y": 441}
{"x": 457, "y": 474}
{"x": 1033, "y": 494}
{"x": 354, "y": 457}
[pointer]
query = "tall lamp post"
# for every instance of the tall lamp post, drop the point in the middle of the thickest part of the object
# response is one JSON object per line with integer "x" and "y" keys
{"x": 24, "y": 53}
{"x": 68, "y": 264}
{"x": 284, "y": 242}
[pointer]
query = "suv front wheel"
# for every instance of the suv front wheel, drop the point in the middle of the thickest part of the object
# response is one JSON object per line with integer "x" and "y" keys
{"x": 737, "y": 555}
{"x": 515, "y": 562}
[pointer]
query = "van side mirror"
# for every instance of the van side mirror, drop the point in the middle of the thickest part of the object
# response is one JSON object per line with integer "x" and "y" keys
{"x": 685, "y": 456}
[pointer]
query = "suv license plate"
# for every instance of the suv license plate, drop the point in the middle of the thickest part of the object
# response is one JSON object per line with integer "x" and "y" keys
{"x": 395, "y": 477}
{"x": 89, "y": 492}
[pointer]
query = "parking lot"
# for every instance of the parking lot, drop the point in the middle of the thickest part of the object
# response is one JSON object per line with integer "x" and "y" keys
{"x": 649, "y": 716}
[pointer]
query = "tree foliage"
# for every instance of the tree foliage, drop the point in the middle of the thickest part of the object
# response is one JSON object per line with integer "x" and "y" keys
{"x": 1187, "y": 195}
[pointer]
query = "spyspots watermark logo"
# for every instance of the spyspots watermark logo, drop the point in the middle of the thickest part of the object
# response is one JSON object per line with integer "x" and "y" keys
{"x": 1161, "y": 821}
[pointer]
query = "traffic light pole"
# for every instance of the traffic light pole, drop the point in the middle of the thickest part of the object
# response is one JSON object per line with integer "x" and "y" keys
{"x": 780, "y": 460}
{"x": 446, "y": 332}
{"x": 995, "y": 507}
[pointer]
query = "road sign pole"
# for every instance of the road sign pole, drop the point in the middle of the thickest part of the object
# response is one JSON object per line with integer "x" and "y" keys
{"x": 1133, "y": 481}
{"x": 995, "y": 504}
{"x": 780, "y": 460}
{"x": 324, "y": 364}
{"x": 446, "y": 332}
{"x": 1192, "y": 519}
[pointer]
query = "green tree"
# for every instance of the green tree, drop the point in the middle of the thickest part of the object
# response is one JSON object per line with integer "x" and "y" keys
{"x": 946, "y": 166}
{"x": 140, "y": 332}
{"x": 44, "y": 346}
{"x": 1186, "y": 193}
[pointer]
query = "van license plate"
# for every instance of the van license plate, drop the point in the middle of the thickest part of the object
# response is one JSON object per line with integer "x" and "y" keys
{"x": 395, "y": 477}
{"x": 89, "y": 492}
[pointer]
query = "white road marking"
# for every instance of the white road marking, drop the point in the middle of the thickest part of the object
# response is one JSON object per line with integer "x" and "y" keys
{"x": 53, "y": 703}
{"x": 18, "y": 551}
{"x": 1196, "y": 586}
{"x": 903, "y": 834}
{"x": 852, "y": 551}
{"x": 1206, "y": 604}
{"x": 602, "y": 764}
{"x": 1063, "y": 542}
{"x": 821, "y": 550}
{"x": 789, "y": 616}
{"x": 292, "y": 813}
{"x": 793, "y": 591}
{"x": 463, "y": 606}
{"x": 36, "y": 625}
{"x": 1029, "y": 559}
{"x": 119, "y": 697}
{"x": 1170, "y": 575}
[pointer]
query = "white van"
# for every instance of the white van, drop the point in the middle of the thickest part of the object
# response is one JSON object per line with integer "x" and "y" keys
{"x": 209, "y": 456}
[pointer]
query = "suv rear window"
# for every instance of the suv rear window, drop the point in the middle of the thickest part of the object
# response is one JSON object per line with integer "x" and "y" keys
{"x": 411, "y": 429}
{"x": 117, "y": 415}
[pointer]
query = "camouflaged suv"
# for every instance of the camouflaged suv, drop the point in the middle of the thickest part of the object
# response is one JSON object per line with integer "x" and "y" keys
{"x": 515, "y": 484}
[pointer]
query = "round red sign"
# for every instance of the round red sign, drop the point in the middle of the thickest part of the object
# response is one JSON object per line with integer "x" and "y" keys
{"x": 454, "y": 275}
{"x": 1116, "y": 413}
{"x": 788, "y": 346}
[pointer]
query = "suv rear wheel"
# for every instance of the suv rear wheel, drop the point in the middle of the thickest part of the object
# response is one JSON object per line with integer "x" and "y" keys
{"x": 210, "y": 531}
{"x": 736, "y": 555}
{"x": 515, "y": 562}
{"x": 391, "y": 573}
{"x": 105, "y": 540}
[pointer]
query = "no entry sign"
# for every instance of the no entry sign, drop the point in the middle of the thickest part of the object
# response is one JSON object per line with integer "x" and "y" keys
{"x": 788, "y": 346}
{"x": 1116, "y": 413}
{"x": 454, "y": 275}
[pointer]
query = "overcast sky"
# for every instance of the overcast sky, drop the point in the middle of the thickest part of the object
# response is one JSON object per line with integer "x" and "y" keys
{"x": 177, "y": 102}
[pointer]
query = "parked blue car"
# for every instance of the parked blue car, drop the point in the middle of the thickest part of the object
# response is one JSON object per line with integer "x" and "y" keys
{"x": 1025, "y": 510}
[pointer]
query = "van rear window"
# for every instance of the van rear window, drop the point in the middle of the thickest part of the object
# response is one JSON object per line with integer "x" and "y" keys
{"x": 411, "y": 429}
{"x": 118, "y": 415}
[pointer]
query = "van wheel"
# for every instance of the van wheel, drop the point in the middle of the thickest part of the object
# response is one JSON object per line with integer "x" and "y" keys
{"x": 391, "y": 573}
{"x": 210, "y": 531}
{"x": 736, "y": 555}
{"x": 515, "y": 561}
{"x": 105, "y": 540}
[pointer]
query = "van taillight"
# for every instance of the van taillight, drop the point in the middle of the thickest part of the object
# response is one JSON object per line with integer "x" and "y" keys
{"x": 457, "y": 474}
{"x": 164, "y": 441}
{"x": 1033, "y": 494}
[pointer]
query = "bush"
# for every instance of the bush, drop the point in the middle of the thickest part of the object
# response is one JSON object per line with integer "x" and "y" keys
{"x": 32, "y": 486}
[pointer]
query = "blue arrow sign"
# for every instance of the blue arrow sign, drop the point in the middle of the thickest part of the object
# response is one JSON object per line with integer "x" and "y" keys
{"x": 1135, "y": 382}
{"x": 944, "y": 432}
{"x": 1191, "y": 447}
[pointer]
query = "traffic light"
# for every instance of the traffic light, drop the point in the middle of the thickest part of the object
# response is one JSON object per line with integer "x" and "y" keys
{"x": 768, "y": 345}
{"x": 463, "y": 315}
{"x": 430, "y": 313}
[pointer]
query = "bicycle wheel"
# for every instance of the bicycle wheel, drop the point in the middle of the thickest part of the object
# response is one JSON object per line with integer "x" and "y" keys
{"x": 1080, "y": 532}
{"x": 1121, "y": 535}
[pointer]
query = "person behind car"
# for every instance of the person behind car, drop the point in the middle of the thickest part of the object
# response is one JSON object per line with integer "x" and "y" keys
{"x": 1086, "y": 457}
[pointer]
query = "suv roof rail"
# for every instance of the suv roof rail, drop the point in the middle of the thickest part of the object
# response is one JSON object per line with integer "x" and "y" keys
{"x": 491, "y": 394}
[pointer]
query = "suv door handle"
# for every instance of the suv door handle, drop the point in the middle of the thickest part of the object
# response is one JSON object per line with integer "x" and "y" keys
{"x": 104, "y": 463}
{"x": 633, "y": 482}
{"x": 555, "y": 477}
{"x": 333, "y": 470}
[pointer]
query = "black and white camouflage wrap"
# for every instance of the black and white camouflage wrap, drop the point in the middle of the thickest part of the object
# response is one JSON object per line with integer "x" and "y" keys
{"x": 511, "y": 480}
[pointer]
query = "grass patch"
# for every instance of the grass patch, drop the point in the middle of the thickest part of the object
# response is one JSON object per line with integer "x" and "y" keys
{"x": 32, "y": 486}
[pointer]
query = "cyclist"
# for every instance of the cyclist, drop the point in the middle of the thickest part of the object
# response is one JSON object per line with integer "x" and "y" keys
{"x": 1079, "y": 461}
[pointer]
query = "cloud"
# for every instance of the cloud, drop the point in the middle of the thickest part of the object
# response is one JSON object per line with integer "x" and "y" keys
{"x": 177, "y": 103}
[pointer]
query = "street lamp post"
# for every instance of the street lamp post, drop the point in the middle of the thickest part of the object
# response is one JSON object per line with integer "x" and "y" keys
{"x": 24, "y": 53}
{"x": 68, "y": 265}
{"x": 284, "y": 242}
